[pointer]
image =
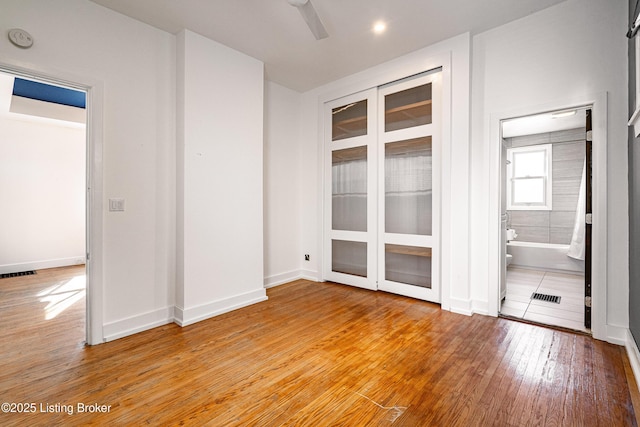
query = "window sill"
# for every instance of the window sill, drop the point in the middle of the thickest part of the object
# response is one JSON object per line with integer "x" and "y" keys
{"x": 529, "y": 208}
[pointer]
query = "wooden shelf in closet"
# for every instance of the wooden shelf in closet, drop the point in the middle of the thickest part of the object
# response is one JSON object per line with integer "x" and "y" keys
{"x": 349, "y": 154}
{"x": 416, "y": 113}
{"x": 414, "y": 107}
{"x": 346, "y": 128}
{"x": 408, "y": 250}
{"x": 409, "y": 146}
{"x": 354, "y": 124}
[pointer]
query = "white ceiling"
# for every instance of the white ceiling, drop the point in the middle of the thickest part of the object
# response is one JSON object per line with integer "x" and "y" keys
{"x": 543, "y": 123}
{"x": 274, "y": 32}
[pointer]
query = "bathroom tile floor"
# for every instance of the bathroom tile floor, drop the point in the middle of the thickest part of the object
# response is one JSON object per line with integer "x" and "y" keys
{"x": 522, "y": 283}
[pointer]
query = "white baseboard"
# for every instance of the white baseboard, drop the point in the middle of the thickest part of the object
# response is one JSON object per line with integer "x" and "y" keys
{"x": 480, "y": 307}
{"x": 617, "y": 335}
{"x": 280, "y": 279}
{"x": 310, "y": 275}
{"x": 461, "y": 306}
{"x": 185, "y": 317}
{"x": 133, "y": 325}
{"x": 153, "y": 319}
{"x": 40, "y": 265}
{"x": 634, "y": 356}
{"x": 290, "y": 276}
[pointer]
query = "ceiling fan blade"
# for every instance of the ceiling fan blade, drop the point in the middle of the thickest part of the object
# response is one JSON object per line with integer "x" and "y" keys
{"x": 313, "y": 20}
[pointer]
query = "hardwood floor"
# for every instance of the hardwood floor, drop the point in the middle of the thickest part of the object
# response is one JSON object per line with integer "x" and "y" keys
{"x": 316, "y": 354}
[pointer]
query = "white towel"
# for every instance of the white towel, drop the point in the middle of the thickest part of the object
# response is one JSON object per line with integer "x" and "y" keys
{"x": 576, "y": 248}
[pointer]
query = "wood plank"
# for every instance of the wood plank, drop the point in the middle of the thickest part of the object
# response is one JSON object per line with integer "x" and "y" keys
{"x": 415, "y": 146}
{"x": 420, "y": 105}
{"x": 317, "y": 354}
{"x": 408, "y": 250}
{"x": 349, "y": 154}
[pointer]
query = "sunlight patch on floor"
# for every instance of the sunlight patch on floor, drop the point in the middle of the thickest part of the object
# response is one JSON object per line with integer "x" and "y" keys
{"x": 62, "y": 296}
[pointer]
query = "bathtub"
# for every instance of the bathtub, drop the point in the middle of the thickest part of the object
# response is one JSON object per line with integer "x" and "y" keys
{"x": 545, "y": 256}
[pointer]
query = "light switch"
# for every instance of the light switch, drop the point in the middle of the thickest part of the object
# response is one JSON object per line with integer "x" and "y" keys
{"x": 116, "y": 205}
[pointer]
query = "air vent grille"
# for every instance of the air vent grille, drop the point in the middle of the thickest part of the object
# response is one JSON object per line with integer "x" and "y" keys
{"x": 547, "y": 298}
{"x": 21, "y": 273}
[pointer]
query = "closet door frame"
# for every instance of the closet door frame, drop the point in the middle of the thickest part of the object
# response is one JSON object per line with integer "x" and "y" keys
{"x": 369, "y": 236}
{"x": 375, "y": 236}
{"x": 423, "y": 241}
{"x": 450, "y": 54}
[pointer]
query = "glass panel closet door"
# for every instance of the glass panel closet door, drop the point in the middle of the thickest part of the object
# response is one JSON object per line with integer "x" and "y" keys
{"x": 409, "y": 197}
{"x": 350, "y": 196}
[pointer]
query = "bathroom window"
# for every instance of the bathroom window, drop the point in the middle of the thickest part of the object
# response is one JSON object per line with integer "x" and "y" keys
{"x": 529, "y": 178}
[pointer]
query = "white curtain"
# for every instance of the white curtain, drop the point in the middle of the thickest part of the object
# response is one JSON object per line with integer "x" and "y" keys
{"x": 576, "y": 248}
{"x": 408, "y": 194}
{"x": 408, "y": 174}
{"x": 349, "y": 190}
{"x": 349, "y": 178}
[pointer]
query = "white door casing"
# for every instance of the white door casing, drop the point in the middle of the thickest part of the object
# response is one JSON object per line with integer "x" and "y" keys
{"x": 375, "y": 236}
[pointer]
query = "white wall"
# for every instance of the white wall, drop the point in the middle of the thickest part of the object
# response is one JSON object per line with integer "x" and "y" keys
{"x": 283, "y": 255}
{"x": 135, "y": 66}
{"x": 220, "y": 145}
{"x": 42, "y": 183}
{"x": 574, "y": 50}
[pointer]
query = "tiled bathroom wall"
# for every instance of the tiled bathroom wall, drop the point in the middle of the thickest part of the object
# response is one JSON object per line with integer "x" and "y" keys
{"x": 555, "y": 226}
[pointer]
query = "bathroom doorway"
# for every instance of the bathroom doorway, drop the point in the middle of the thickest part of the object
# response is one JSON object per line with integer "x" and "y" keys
{"x": 545, "y": 218}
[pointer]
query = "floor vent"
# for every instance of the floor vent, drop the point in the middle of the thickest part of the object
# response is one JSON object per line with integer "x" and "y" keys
{"x": 21, "y": 273}
{"x": 545, "y": 297}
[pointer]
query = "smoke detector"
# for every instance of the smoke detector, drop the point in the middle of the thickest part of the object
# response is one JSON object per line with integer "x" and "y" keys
{"x": 20, "y": 38}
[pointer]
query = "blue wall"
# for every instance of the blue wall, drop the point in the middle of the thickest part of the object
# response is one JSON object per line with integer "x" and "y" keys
{"x": 49, "y": 93}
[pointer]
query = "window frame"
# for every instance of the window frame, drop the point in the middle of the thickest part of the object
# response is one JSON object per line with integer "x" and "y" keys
{"x": 547, "y": 205}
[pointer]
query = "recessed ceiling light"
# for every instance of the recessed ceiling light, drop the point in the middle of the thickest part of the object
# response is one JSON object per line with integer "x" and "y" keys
{"x": 379, "y": 27}
{"x": 560, "y": 114}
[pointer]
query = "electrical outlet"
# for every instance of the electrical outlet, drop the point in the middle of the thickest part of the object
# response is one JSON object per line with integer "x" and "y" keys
{"x": 116, "y": 205}
{"x": 306, "y": 257}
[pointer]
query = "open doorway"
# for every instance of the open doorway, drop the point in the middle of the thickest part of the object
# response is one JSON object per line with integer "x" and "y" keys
{"x": 545, "y": 211}
{"x": 43, "y": 225}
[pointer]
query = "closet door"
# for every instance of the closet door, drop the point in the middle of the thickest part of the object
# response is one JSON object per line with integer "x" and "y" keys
{"x": 409, "y": 187}
{"x": 350, "y": 190}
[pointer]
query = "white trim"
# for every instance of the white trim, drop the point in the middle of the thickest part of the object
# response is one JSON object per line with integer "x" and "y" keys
{"x": 94, "y": 173}
{"x": 39, "y": 265}
{"x": 598, "y": 102}
{"x": 455, "y": 54}
{"x": 205, "y": 311}
{"x": 282, "y": 278}
{"x": 461, "y": 306}
{"x": 635, "y": 118}
{"x": 290, "y": 276}
{"x": 369, "y": 141}
{"x": 153, "y": 319}
{"x": 634, "y": 356}
{"x": 142, "y": 322}
{"x": 95, "y": 291}
{"x": 635, "y": 121}
{"x": 433, "y": 129}
{"x": 599, "y": 238}
{"x": 616, "y": 335}
{"x": 311, "y": 275}
{"x": 480, "y": 307}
